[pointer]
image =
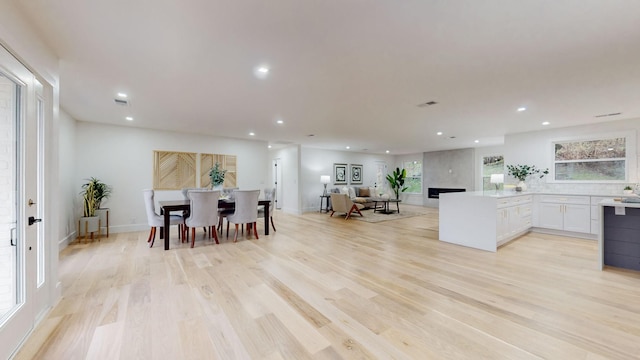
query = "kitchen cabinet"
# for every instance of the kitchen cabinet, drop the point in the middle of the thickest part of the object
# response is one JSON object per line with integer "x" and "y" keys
{"x": 565, "y": 212}
{"x": 483, "y": 220}
{"x": 513, "y": 217}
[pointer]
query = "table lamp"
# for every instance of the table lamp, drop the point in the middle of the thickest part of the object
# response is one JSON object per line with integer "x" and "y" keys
{"x": 497, "y": 179}
{"x": 325, "y": 179}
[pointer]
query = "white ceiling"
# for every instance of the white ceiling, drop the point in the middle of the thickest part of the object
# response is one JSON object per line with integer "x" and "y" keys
{"x": 351, "y": 72}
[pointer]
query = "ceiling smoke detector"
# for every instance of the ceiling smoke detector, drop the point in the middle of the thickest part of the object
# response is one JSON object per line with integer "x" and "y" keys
{"x": 428, "y": 103}
{"x": 121, "y": 102}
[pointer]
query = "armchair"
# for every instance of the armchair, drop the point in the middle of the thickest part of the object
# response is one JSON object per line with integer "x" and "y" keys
{"x": 341, "y": 203}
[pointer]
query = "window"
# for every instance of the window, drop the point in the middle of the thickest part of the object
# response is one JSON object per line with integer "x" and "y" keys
{"x": 603, "y": 159}
{"x": 491, "y": 165}
{"x": 413, "y": 182}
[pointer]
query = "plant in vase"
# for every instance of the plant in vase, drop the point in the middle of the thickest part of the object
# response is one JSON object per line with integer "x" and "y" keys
{"x": 217, "y": 176}
{"x": 522, "y": 172}
{"x": 93, "y": 193}
{"x": 627, "y": 190}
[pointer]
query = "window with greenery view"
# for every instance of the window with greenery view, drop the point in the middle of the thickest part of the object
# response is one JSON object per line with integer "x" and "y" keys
{"x": 590, "y": 160}
{"x": 413, "y": 182}
{"x": 491, "y": 165}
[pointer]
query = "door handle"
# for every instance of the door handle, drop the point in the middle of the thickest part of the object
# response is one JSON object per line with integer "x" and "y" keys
{"x": 13, "y": 232}
{"x": 33, "y": 220}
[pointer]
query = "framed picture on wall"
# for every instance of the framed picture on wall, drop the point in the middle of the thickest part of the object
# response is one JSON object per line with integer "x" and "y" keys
{"x": 340, "y": 174}
{"x": 356, "y": 174}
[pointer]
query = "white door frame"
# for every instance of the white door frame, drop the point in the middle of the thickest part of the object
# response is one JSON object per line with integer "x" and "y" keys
{"x": 21, "y": 318}
{"x": 277, "y": 181}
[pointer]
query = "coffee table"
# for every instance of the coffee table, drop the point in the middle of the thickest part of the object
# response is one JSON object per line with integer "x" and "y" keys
{"x": 384, "y": 208}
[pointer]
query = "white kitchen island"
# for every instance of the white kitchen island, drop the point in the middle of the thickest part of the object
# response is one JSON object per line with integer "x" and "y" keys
{"x": 484, "y": 220}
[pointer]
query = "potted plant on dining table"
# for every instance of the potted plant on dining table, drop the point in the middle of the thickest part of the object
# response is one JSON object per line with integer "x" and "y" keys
{"x": 216, "y": 174}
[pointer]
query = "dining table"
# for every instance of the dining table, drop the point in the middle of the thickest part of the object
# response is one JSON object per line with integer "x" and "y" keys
{"x": 168, "y": 206}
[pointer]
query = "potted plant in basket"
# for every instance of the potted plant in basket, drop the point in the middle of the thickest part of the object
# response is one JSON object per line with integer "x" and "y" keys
{"x": 217, "y": 176}
{"x": 522, "y": 172}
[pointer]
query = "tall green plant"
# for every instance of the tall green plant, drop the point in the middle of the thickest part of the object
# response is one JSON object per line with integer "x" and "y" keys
{"x": 396, "y": 180}
{"x": 93, "y": 193}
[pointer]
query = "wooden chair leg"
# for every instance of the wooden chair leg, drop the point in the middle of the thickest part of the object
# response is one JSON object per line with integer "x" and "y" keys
{"x": 235, "y": 236}
{"x": 273, "y": 226}
{"x": 332, "y": 212}
{"x": 356, "y": 209}
{"x": 152, "y": 236}
{"x": 193, "y": 236}
{"x": 255, "y": 230}
{"x": 215, "y": 235}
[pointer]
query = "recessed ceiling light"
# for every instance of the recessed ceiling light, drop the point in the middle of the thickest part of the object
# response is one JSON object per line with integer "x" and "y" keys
{"x": 546, "y": 123}
{"x": 439, "y": 133}
{"x": 280, "y": 122}
{"x": 348, "y": 147}
{"x": 387, "y": 151}
{"x": 521, "y": 109}
{"x": 261, "y": 72}
{"x": 269, "y": 146}
{"x": 122, "y": 95}
{"x": 610, "y": 149}
{"x": 252, "y": 134}
{"x": 476, "y": 141}
{"x": 129, "y": 118}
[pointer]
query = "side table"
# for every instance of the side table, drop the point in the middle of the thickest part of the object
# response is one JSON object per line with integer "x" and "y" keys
{"x": 322, "y": 198}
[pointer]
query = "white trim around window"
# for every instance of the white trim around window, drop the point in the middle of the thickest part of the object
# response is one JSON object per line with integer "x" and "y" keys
{"x": 630, "y": 158}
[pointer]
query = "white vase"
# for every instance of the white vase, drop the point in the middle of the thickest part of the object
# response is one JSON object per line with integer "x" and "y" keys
{"x": 522, "y": 186}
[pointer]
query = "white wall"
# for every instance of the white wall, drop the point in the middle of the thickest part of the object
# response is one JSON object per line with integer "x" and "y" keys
{"x": 122, "y": 157}
{"x": 68, "y": 190}
{"x": 289, "y": 158}
{"x": 317, "y": 162}
{"x": 534, "y": 148}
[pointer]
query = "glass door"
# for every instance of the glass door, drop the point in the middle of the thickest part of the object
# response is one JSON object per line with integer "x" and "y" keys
{"x": 18, "y": 245}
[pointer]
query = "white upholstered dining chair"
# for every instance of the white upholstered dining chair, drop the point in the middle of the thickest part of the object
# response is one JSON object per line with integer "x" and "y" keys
{"x": 203, "y": 212}
{"x": 269, "y": 194}
{"x": 246, "y": 211}
{"x": 155, "y": 220}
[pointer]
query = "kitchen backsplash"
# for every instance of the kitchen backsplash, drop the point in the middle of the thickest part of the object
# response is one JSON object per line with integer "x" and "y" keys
{"x": 540, "y": 185}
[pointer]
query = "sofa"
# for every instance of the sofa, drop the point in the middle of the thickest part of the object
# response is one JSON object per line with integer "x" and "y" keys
{"x": 360, "y": 194}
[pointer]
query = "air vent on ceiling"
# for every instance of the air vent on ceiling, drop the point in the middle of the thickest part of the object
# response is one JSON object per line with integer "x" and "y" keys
{"x": 428, "y": 103}
{"x": 605, "y": 115}
{"x": 121, "y": 102}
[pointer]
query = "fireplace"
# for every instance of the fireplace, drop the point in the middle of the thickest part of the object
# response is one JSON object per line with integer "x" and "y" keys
{"x": 434, "y": 193}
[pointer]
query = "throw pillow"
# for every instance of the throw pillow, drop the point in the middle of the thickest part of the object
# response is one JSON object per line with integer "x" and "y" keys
{"x": 352, "y": 193}
{"x": 364, "y": 192}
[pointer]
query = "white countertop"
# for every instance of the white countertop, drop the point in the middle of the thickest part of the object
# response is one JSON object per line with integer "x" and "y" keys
{"x": 618, "y": 204}
{"x": 507, "y": 194}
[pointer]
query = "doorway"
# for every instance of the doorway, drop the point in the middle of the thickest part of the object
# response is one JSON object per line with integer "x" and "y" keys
{"x": 20, "y": 205}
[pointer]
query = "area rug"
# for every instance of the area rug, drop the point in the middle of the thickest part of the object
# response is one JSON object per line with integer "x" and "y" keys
{"x": 370, "y": 216}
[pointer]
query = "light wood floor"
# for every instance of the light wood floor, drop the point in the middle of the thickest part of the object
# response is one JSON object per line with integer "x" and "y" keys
{"x": 326, "y": 288}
